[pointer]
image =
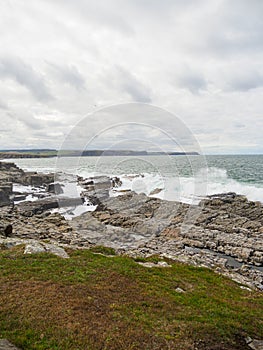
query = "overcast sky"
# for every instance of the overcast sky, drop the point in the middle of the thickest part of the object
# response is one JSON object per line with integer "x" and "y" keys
{"x": 202, "y": 60}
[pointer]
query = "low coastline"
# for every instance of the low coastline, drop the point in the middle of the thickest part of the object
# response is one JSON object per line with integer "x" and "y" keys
{"x": 11, "y": 154}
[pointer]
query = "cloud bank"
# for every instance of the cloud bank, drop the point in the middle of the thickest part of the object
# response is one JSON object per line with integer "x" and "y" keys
{"x": 201, "y": 60}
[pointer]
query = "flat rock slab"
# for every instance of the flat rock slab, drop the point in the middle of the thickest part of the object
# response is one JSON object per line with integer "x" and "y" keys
{"x": 254, "y": 344}
{"x": 151, "y": 264}
{"x": 6, "y": 345}
{"x": 33, "y": 246}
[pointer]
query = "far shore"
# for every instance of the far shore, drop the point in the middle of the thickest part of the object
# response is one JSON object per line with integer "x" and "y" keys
{"x": 12, "y": 154}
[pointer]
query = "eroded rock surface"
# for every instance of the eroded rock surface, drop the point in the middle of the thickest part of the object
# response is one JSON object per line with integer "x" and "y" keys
{"x": 224, "y": 232}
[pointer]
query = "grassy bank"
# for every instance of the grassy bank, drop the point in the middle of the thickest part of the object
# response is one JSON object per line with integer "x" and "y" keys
{"x": 92, "y": 301}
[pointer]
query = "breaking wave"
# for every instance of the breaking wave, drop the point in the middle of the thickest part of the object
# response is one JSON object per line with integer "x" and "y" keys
{"x": 165, "y": 184}
{"x": 190, "y": 189}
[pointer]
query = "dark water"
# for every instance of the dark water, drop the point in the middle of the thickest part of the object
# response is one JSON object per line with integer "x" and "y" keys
{"x": 243, "y": 168}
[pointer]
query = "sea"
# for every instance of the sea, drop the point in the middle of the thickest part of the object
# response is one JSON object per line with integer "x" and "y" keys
{"x": 183, "y": 178}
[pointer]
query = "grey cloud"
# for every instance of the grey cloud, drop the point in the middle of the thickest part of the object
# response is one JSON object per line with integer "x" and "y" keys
{"x": 221, "y": 41}
{"x": 206, "y": 131}
{"x": 106, "y": 14}
{"x": 235, "y": 27}
{"x": 192, "y": 80}
{"x": 239, "y": 125}
{"x": 167, "y": 7}
{"x": 26, "y": 119}
{"x": 16, "y": 69}
{"x": 3, "y": 105}
{"x": 121, "y": 124}
{"x": 130, "y": 84}
{"x": 68, "y": 74}
{"x": 31, "y": 122}
{"x": 244, "y": 81}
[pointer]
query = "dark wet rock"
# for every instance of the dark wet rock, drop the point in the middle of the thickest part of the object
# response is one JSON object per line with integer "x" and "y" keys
{"x": 55, "y": 188}
{"x": 116, "y": 182}
{"x": 29, "y": 208}
{"x": 4, "y": 198}
{"x": 36, "y": 179}
{"x": 8, "y": 230}
{"x": 19, "y": 197}
{"x": 155, "y": 191}
{"x": 70, "y": 202}
{"x": 6, "y": 189}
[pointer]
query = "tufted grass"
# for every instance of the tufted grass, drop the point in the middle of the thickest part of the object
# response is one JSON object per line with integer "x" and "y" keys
{"x": 92, "y": 301}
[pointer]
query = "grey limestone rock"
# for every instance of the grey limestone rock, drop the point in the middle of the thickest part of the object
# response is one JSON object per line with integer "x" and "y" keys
{"x": 6, "y": 345}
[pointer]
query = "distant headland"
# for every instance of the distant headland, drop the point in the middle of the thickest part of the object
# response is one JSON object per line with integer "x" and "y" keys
{"x": 47, "y": 153}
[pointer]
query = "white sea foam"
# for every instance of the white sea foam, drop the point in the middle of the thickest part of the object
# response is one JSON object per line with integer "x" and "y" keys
{"x": 190, "y": 189}
{"x": 219, "y": 182}
{"x": 183, "y": 188}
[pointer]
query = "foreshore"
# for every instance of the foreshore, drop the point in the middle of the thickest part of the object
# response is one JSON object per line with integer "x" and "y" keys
{"x": 224, "y": 232}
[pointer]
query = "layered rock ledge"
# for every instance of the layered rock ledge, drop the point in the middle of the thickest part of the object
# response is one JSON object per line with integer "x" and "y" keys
{"x": 224, "y": 232}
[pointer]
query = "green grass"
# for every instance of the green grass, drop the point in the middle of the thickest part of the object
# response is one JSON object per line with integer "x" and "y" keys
{"x": 93, "y": 301}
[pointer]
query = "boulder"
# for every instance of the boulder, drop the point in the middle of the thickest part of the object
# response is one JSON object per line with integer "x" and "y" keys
{"x": 36, "y": 179}
{"x": 33, "y": 246}
{"x": 36, "y": 247}
{"x": 8, "y": 230}
{"x": 116, "y": 181}
{"x": 55, "y": 188}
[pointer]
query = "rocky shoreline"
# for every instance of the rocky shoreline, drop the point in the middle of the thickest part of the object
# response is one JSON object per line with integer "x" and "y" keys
{"x": 224, "y": 232}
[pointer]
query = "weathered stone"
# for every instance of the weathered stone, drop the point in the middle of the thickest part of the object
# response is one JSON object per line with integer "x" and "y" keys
{"x": 4, "y": 198}
{"x": 155, "y": 191}
{"x": 36, "y": 247}
{"x": 254, "y": 344}
{"x": 6, "y": 345}
{"x": 151, "y": 264}
{"x": 36, "y": 179}
{"x": 33, "y": 246}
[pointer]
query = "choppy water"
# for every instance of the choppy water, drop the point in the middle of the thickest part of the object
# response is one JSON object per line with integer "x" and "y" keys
{"x": 178, "y": 177}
